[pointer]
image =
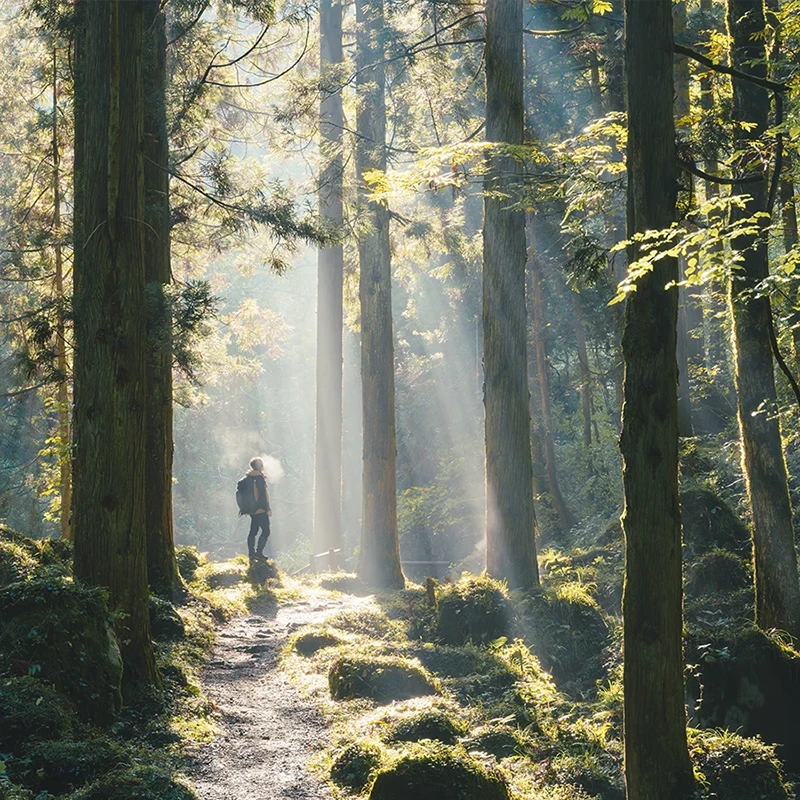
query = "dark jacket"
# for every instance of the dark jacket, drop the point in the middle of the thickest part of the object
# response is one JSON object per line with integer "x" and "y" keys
{"x": 260, "y": 491}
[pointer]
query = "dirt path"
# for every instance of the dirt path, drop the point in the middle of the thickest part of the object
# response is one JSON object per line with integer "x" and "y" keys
{"x": 269, "y": 731}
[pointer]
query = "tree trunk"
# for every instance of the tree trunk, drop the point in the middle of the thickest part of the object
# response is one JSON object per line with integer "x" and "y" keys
{"x": 110, "y": 322}
{"x": 585, "y": 373}
{"x": 379, "y": 559}
{"x": 62, "y": 397}
{"x": 657, "y": 765}
{"x": 777, "y": 588}
{"x": 510, "y": 518}
{"x": 162, "y": 572}
{"x": 565, "y": 518}
{"x": 330, "y": 272}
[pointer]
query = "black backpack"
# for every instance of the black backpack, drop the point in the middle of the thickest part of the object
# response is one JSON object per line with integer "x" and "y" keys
{"x": 245, "y": 497}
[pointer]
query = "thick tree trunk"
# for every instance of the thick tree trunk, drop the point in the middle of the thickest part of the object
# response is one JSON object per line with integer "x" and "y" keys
{"x": 657, "y": 765}
{"x": 62, "y": 397}
{"x": 330, "y": 272}
{"x": 110, "y": 321}
{"x": 162, "y": 572}
{"x": 510, "y": 518}
{"x": 565, "y": 518}
{"x": 777, "y": 588}
{"x": 379, "y": 559}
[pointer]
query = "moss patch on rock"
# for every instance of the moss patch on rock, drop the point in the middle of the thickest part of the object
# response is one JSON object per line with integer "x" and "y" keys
{"x": 189, "y": 560}
{"x": 381, "y": 678}
{"x": 434, "y": 724}
{"x": 59, "y": 766}
{"x": 139, "y": 783}
{"x": 165, "y": 621}
{"x": 355, "y": 764}
{"x": 61, "y": 630}
{"x": 347, "y": 582}
{"x": 30, "y": 709}
{"x": 313, "y": 641}
{"x": 260, "y": 571}
{"x": 717, "y": 572}
{"x": 709, "y": 523}
{"x": 500, "y": 741}
{"x": 438, "y": 773}
{"x": 474, "y": 609}
{"x": 734, "y": 767}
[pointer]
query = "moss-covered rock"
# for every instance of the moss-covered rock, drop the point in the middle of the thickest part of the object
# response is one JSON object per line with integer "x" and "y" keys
{"x": 709, "y": 523}
{"x": 500, "y": 741}
{"x": 434, "y": 724}
{"x": 165, "y": 621}
{"x": 139, "y": 783}
{"x": 438, "y": 773}
{"x": 21, "y": 557}
{"x": 60, "y": 629}
{"x": 381, "y": 678}
{"x": 749, "y": 682}
{"x": 16, "y": 563}
{"x": 355, "y": 764}
{"x": 262, "y": 570}
{"x": 224, "y": 575}
{"x": 310, "y": 642}
{"x": 189, "y": 560}
{"x": 30, "y": 709}
{"x": 716, "y": 572}
{"x": 474, "y": 609}
{"x": 347, "y": 582}
{"x": 59, "y": 766}
{"x": 735, "y": 767}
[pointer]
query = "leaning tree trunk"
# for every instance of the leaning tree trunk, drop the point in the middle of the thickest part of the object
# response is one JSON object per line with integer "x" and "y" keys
{"x": 510, "y": 519}
{"x": 110, "y": 321}
{"x": 330, "y": 272}
{"x": 777, "y": 587}
{"x": 379, "y": 559}
{"x": 162, "y": 570}
{"x": 657, "y": 765}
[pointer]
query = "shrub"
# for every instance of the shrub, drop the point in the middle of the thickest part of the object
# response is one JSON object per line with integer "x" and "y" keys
{"x": 432, "y": 724}
{"x": 139, "y": 783}
{"x": 57, "y": 767}
{"x": 716, "y": 572}
{"x": 438, "y": 773}
{"x": 355, "y": 764}
{"x": 381, "y": 678}
{"x": 30, "y": 709}
{"x": 16, "y": 563}
{"x": 61, "y": 629}
{"x": 734, "y": 767}
{"x": 709, "y": 523}
{"x": 474, "y": 609}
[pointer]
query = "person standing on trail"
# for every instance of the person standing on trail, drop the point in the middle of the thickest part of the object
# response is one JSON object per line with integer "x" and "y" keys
{"x": 253, "y": 499}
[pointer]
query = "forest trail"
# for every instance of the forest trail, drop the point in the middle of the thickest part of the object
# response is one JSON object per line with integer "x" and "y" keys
{"x": 268, "y": 731}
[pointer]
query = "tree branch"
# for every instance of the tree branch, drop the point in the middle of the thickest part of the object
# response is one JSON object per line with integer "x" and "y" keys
{"x": 773, "y": 86}
{"x": 707, "y": 176}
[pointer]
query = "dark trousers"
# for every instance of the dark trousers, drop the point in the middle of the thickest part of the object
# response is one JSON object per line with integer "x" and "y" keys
{"x": 258, "y": 521}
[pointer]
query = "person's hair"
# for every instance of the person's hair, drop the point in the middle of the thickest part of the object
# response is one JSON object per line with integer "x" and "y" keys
{"x": 257, "y": 464}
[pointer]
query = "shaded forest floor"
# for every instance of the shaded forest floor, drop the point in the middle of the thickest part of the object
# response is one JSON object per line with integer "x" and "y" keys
{"x": 267, "y": 731}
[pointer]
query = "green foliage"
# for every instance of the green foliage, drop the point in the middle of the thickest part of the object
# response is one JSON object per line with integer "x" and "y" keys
{"x": 58, "y": 766}
{"x": 137, "y": 783}
{"x": 434, "y": 772}
{"x": 30, "y": 709}
{"x": 717, "y": 572}
{"x": 60, "y": 630}
{"x": 474, "y": 609}
{"x": 354, "y": 765}
{"x": 189, "y": 561}
{"x": 730, "y": 766}
{"x": 381, "y": 678}
{"x": 709, "y": 523}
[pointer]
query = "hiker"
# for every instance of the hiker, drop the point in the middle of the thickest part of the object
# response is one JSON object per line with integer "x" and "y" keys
{"x": 253, "y": 499}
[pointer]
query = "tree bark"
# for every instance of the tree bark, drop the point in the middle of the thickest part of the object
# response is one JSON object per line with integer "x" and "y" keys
{"x": 379, "y": 559}
{"x": 330, "y": 272}
{"x": 657, "y": 765}
{"x": 162, "y": 572}
{"x": 776, "y": 579}
{"x": 585, "y": 373}
{"x": 62, "y": 396}
{"x": 510, "y": 518}
{"x": 110, "y": 321}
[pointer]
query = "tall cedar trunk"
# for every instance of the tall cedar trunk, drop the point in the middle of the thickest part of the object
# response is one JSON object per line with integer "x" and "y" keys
{"x": 790, "y": 240}
{"x": 777, "y": 588}
{"x": 510, "y": 519}
{"x": 162, "y": 572}
{"x": 657, "y": 765}
{"x": 110, "y": 321}
{"x": 330, "y": 272}
{"x": 379, "y": 559}
{"x": 565, "y": 518}
{"x": 585, "y": 373}
{"x": 62, "y": 397}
